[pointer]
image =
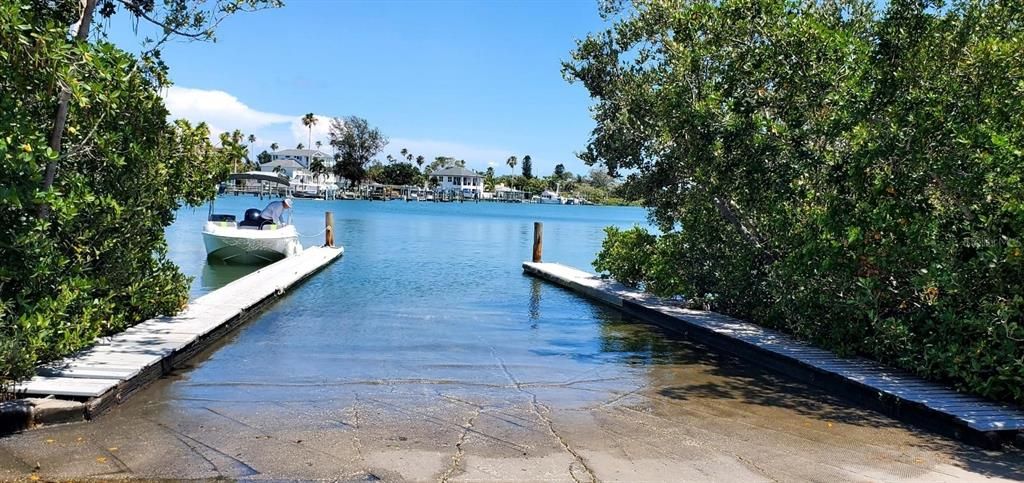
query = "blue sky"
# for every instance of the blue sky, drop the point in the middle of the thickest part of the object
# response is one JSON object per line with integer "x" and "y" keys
{"x": 472, "y": 79}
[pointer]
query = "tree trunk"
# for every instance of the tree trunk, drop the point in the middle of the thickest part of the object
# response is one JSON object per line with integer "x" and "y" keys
{"x": 64, "y": 100}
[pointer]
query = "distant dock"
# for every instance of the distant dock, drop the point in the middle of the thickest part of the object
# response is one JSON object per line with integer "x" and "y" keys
{"x": 896, "y": 393}
{"x": 117, "y": 366}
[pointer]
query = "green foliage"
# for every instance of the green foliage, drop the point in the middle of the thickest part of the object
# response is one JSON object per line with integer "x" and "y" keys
{"x": 398, "y": 174}
{"x": 625, "y": 254}
{"x": 442, "y": 162}
{"x": 527, "y": 167}
{"x": 318, "y": 168}
{"x": 489, "y": 179}
{"x": 560, "y": 171}
{"x": 356, "y": 144}
{"x": 849, "y": 176}
{"x": 98, "y": 262}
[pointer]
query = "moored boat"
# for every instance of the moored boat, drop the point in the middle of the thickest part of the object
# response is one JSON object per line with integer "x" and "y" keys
{"x": 254, "y": 239}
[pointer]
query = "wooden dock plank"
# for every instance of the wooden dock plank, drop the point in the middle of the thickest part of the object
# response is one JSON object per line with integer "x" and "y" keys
{"x": 927, "y": 400}
{"x": 119, "y": 364}
{"x": 61, "y": 386}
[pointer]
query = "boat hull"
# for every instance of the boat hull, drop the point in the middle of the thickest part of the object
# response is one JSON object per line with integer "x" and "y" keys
{"x": 247, "y": 246}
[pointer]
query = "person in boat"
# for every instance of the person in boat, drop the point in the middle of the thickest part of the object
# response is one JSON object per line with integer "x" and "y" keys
{"x": 274, "y": 212}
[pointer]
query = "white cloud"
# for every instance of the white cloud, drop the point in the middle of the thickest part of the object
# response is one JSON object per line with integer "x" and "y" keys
{"x": 223, "y": 112}
{"x": 218, "y": 108}
{"x": 319, "y": 132}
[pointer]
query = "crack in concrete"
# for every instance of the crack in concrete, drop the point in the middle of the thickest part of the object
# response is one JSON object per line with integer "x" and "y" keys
{"x": 536, "y": 407}
{"x": 620, "y": 397}
{"x": 271, "y": 437}
{"x": 124, "y": 469}
{"x": 514, "y": 420}
{"x": 441, "y": 422}
{"x": 744, "y": 461}
{"x": 339, "y": 422}
{"x": 356, "y": 443}
{"x": 185, "y": 440}
{"x": 459, "y": 452}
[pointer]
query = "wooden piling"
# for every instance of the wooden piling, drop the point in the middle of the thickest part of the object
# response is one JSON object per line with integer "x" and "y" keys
{"x": 538, "y": 241}
{"x": 329, "y": 230}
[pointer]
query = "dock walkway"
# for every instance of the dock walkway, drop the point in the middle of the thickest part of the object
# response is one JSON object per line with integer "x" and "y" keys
{"x": 118, "y": 365}
{"x": 896, "y": 393}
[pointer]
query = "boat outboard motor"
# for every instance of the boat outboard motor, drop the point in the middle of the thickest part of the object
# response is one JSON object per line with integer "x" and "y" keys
{"x": 252, "y": 217}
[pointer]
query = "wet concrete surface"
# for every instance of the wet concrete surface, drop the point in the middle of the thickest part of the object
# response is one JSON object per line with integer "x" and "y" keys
{"x": 425, "y": 355}
{"x": 682, "y": 414}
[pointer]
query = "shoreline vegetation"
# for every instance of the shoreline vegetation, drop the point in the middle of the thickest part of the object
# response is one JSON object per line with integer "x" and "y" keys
{"x": 847, "y": 173}
{"x": 354, "y": 164}
{"x": 843, "y": 172}
{"x": 92, "y": 171}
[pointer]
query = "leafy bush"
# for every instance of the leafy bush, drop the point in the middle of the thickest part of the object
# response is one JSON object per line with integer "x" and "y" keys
{"x": 96, "y": 263}
{"x": 625, "y": 254}
{"x": 850, "y": 176}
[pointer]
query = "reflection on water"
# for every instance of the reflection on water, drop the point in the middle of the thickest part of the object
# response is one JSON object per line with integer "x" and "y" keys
{"x": 217, "y": 274}
{"x": 428, "y": 291}
{"x": 432, "y": 292}
{"x": 535, "y": 294}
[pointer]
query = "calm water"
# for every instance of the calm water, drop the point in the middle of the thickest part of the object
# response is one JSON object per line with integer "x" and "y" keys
{"x": 414, "y": 249}
{"x": 425, "y": 291}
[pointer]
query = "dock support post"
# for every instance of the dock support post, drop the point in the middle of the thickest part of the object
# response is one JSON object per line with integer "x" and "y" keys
{"x": 538, "y": 241}
{"x": 329, "y": 231}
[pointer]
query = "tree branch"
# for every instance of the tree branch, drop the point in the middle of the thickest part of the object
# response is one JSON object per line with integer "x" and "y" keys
{"x": 61, "y": 117}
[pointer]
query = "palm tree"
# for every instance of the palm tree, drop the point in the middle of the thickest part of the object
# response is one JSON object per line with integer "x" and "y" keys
{"x": 318, "y": 168}
{"x": 512, "y": 161}
{"x": 300, "y": 146}
{"x": 252, "y": 143}
{"x": 419, "y": 161}
{"x": 273, "y": 147}
{"x": 309, "y": 120}
{"x": 318, "y": 144}
{"x": 405, "y": 152}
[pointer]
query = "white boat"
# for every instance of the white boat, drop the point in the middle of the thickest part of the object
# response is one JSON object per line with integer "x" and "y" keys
{"x": 251, "y": 240}
{"x": 549, "y": 198}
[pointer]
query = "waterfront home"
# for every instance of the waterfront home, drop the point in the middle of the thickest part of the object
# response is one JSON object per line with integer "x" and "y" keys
{"x": 458, "y": 180}
{"x": 302, "y": 156}
{"x": 288, "y": 166}
{"x": 303, "y": 182}
{"x": 295, "y": 164}
{"x": 504, "y": 193}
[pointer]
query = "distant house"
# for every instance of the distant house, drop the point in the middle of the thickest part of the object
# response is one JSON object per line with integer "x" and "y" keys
{"x": 504, "y": 193}
{"x": 302, "y": 156}
{"x": 458, "y": 180}
{"x": 289, "y": 166}
{"x": 296, "y": 165}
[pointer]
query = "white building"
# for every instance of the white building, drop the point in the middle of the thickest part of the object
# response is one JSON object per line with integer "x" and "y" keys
{"x": 459, "y": 180}
{"x": 302, "y": 156}
{"x": 296, "y": 164}
{"x": 290, "y": 167}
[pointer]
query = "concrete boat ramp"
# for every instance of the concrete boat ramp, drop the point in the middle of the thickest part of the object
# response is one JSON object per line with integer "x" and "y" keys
{"x": 896, "y": 393}
{"x": 118, "y": 365}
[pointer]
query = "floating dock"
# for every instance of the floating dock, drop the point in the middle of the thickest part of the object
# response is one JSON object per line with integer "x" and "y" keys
{"x": 896, "y": 393}
{"x": 118, "y": 365}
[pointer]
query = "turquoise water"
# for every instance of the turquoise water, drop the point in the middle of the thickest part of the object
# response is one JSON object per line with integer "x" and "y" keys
{"x": 462, "y": 249}
{"x": 424, "y": 292}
